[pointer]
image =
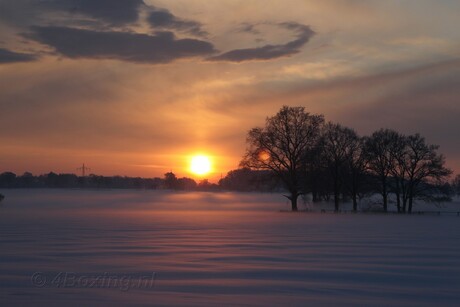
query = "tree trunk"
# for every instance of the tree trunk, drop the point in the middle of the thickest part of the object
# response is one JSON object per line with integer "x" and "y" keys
{"x": 385, "y": 195}
{"x": 355, "y": 202}
{"x": 294, "y": 201}
{"x": 398, "y": 202}
{"x": 398, "y": 196}
{"x": 336, "y": 201}
{"x": 385, "y": 200}
{"x": 293, "y": 198}
{"x": 404, "y": 199}
{"x": 336, "y": 189}
{"x": 314, "y": 196}
{"x": 410, "y": 203}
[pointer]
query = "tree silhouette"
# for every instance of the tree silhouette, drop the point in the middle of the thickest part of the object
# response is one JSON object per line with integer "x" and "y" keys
{"x": 282, "y": 145}
{"x": 245, "y": 179}
{"x": 378, "y": 148}
{"x": 186, "y": 184}
{"x": 341, "y": 149}
{"x": 7, "y": 179}
{"x": 170, "y": 180}
{"x": 356, "y": 164}
{"x": 425, "y": 168}
{"x": 398, "y": 171}
{"x": 316, "y": 175}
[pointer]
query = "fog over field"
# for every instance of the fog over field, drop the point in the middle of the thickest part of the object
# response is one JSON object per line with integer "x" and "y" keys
{"x": 208, "y": 249}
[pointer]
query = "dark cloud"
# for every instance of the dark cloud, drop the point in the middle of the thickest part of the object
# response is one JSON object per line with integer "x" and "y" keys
{"x": 269, "y": 52}
{"x": 161, "y": 18}
{"x": 162, "y": 47}
{"x": 23, "y": 13}
{"x": 7, "y": 56}
{"x": 116, "y": 12}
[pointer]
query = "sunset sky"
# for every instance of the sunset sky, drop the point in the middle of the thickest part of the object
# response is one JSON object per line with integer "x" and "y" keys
{"x": 137, "y": 87}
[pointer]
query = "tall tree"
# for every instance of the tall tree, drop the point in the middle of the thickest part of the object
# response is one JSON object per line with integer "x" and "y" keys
{"x": 316, "y": 175}
{"x": 426, "y": 168}
{"x": 356, "y": 164}
{"x": 378, "y": 148}
{"x": 399, "y": 169}
{"x": 282, "y": 145}
{"x": 337, "y": 144}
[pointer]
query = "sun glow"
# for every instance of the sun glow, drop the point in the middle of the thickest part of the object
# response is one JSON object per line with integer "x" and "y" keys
{"x": 200, "y": 165}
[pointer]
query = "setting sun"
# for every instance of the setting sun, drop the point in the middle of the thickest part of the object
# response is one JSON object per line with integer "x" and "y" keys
{"x": 200, "y": 165}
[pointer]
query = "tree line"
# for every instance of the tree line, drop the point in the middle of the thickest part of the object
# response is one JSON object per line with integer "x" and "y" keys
{"x": 53, "y": 180}
{"x": 309, "y": 155}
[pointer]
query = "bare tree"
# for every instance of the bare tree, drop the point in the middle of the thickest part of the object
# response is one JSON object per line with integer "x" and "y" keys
{"x": 378, "y": 148}
{"x": 282, "y": 145}
{"x": 356, "y": 163}
{"x": 399, "y": 169}
{"x": 338, "y": 144}
{"x": 316, "y": 175}
{"x": 425, "y": 169}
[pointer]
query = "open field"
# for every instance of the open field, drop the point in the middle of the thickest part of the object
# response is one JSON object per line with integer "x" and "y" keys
{"x": 219, "y": 249}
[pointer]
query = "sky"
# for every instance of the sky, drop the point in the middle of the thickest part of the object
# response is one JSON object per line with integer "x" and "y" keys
{"x": 138, "y": 87}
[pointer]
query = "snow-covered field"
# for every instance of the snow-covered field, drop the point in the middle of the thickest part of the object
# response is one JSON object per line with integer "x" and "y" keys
{"x": 219, "y": 249}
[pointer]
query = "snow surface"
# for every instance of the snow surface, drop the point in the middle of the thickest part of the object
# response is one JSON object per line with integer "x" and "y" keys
{"x": 223, "y": 249}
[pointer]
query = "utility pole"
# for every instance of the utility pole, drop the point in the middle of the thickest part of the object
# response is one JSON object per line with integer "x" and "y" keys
{"x": 83, "y": 170}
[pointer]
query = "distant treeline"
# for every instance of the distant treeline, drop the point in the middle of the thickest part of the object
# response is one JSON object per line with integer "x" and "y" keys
{"x": 243, "y": 180}
{"x": 53, "y": 180}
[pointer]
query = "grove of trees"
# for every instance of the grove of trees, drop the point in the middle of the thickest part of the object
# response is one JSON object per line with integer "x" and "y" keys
{"x": 309, "y": 155}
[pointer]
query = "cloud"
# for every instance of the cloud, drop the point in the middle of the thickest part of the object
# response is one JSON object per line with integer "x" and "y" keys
{"x": 162, "y": 47}
{"x": 161, "y": 18}
{"x": 23, "y": 13}
{"x": 269, "y": 52}
{"x": 7, "y": 56}
{"x": 116, "y": 12}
